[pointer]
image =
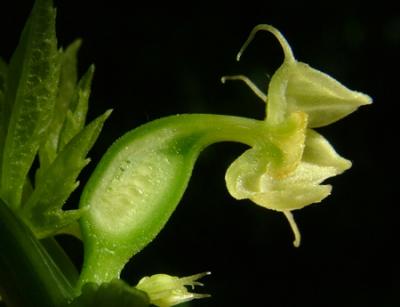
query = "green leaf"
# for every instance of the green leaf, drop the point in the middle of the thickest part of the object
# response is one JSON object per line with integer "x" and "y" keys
{"x": 66, "y": 89}
{"x": 3, "y": 115}
{"x": 28, "y": 275}
{"x": 3, "y": 75}
{"x": 114, "y": 293}
{"x": 76, "y": 115}
{"x": 43, "y": 210}
{"x": 31, "y": 91}
{"x": 61, "y": 259}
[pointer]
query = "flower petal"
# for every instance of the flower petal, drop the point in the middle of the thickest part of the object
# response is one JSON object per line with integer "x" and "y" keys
{"x": 296, "y": 86}
{"x": 320, "y": 152}
{"x": 324, "y": 99}
{"x": 251, "y": 175}
{"x": 243, "y": 175}
{"x": 278, "y": 156}
{"x": 296, "y": 191}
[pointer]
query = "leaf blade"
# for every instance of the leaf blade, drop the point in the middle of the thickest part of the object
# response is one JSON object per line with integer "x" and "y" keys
{"x": 43, "y": 210}
{"x": 3, "y": 111}
{"x": 76, "y": 116}
{"x": 32, "y": 83}
{"x": 66, "y": 88}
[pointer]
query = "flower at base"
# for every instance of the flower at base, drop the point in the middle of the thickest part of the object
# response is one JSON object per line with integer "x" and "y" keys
{"x": 165, "y": 290}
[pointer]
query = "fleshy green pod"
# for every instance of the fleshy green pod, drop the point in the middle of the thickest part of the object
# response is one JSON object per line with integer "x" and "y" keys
{"x": 140, "y": 180}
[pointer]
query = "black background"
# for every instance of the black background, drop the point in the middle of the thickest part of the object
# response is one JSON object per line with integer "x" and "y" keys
{"x": 155, "y": 60}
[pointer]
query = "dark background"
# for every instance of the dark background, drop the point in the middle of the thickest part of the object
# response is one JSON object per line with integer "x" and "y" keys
{"x": 154, "y": 61}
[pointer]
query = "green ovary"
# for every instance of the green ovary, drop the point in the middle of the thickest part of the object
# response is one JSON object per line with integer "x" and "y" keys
{"x": 134, "y": 184}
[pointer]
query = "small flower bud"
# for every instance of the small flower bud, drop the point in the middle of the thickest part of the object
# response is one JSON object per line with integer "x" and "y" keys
{"x": 165, "y": 290}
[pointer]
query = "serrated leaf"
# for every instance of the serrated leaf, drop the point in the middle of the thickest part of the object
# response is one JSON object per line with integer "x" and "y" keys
{"x": 76, "y": 115}
{"x": 29, "y": 276}
{"x": 31, "y": 90}
{"x": 51, "y": 223}
{"x": 43, "y": 209}
{"x": 114, "y": 293}
{"x": 66, "y": 89}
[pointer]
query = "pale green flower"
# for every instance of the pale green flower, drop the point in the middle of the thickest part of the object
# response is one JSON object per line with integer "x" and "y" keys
{"x": 165, "y": 290}
{"x": 290, "y": 176}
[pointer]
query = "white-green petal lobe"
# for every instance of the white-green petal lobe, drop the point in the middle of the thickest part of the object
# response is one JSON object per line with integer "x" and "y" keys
{"x": 301, "y": 188}
{"x": 250, "y": 176}
{"x": 296, "y": 197}
{"x": 319, "y": 151}
{"x": 324, "y": 99}
{"x": 243, "y": 175}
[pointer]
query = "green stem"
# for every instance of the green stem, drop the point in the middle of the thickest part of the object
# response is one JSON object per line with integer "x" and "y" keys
{"x": 28, "y": 275}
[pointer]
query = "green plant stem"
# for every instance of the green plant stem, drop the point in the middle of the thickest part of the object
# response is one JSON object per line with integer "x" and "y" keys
{"x": 28, "y": 275}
